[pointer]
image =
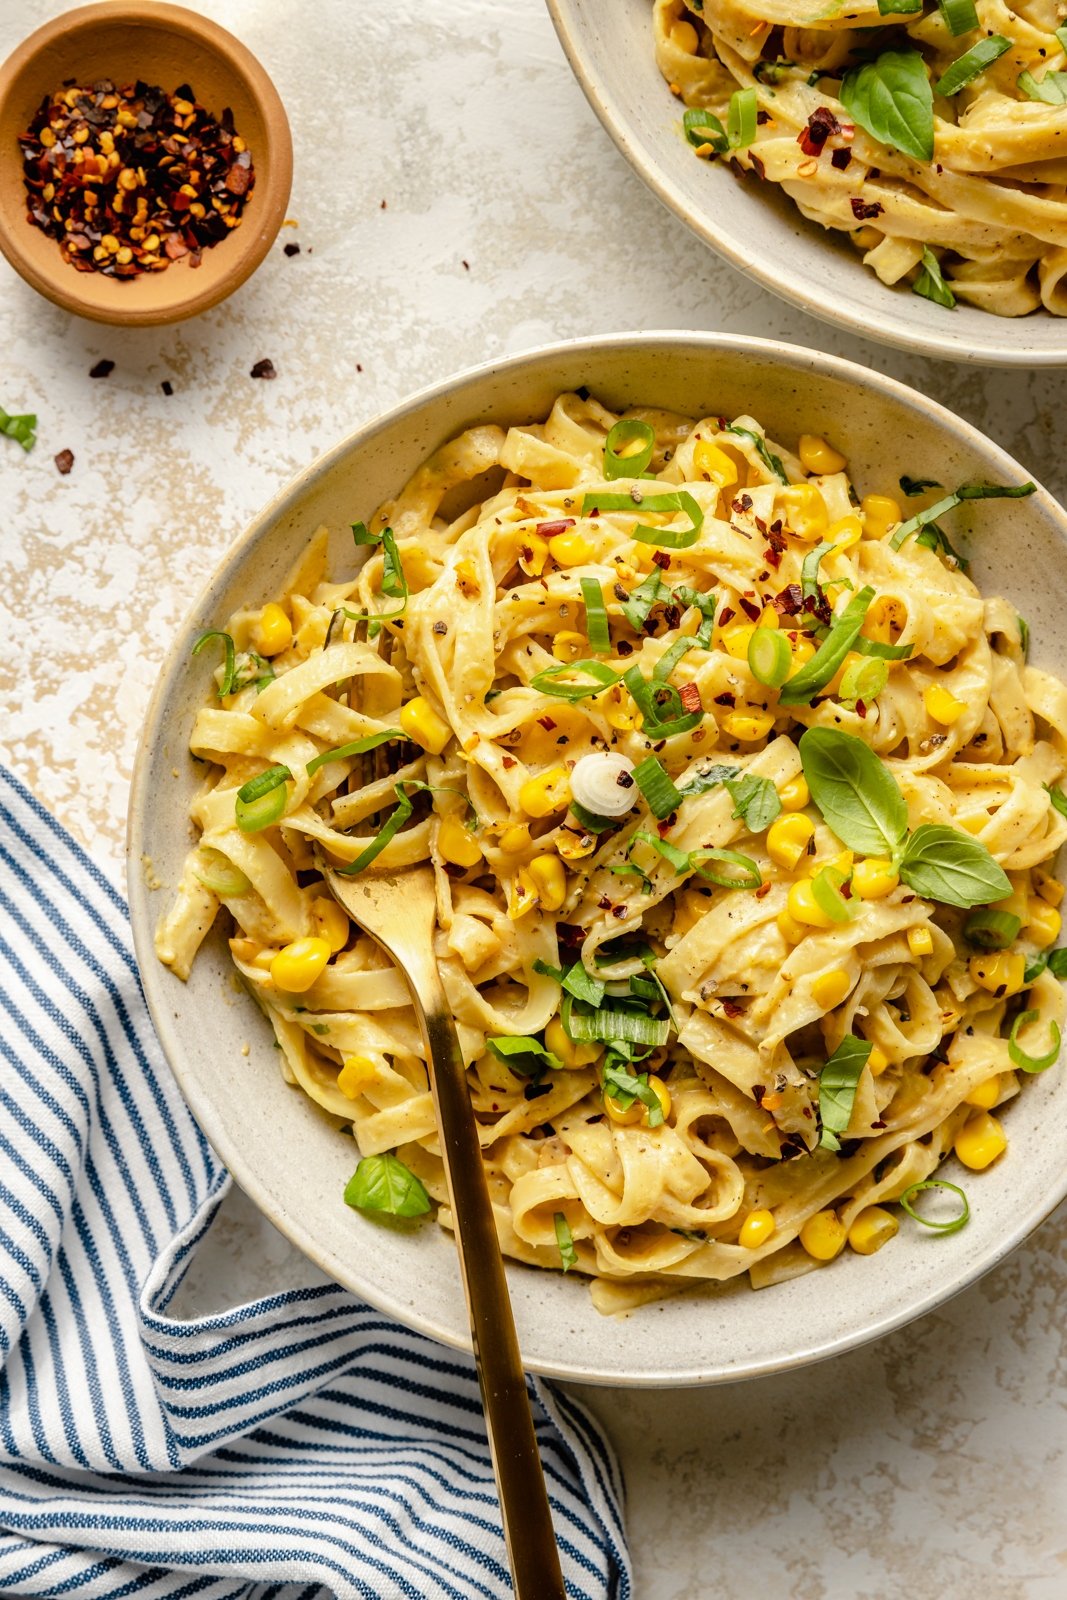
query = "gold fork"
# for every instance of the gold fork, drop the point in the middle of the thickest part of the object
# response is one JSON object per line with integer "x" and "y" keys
{"x": 399, "y": 910}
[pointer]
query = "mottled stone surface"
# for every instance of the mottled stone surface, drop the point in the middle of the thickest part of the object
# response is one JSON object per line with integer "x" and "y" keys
{"x": 928, "y": 1465}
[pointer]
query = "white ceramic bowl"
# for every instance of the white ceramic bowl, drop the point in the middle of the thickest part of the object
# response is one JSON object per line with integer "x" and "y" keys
{"x": 294, "y": 1162}
{"x": 754, "y": 225}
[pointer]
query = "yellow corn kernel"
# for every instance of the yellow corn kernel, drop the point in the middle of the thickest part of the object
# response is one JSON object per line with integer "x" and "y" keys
{"x": 748, "y": 726}
{"x": 877, "y": 1061}
{"x": 684, "y": 37}
{"x": 421, "y": 723}
{"x": 516, "y": 839}
{"x": 1000, "y": 972}
{"x": 818, "y": 456}
{"x": 570, "y": 549}
{"x": 357, "y": 1074}
{"x": 794, "y": 794}
{"x": 801, "y": 650}
{"x": 298, "y": 965}
{"x": 456, "y": 843}
{"x": 984, "y": 1095}
{"x": 332, "y": 922}
{"x": 549, "y": 791}
{"x": 1043, "y": 923}
{"x": 787, "y": 838}
{"x": 790, "y": 929}
{"x": 713, "y": 463}
{"x": 570, "y": 1052}
{"x": 1050, "y": 889}
{"x": 624, "y": 1116}
{"x": 804, "y": 907}
{"x": 845, "y": 532}
{"x": 663, "y": 1095}
{"x": 550, "y": 876}
{"x": 880, "y": 513}
{"x": 980, "y": 1141}
{"x": 805, "y": 511}
{"x": 874, "y": 878}
{"x": 273, "y": 632}
{"x": 756, "y": 1229}
{"x": 823, "y": 1236}
{"x": 533, "y": 554}
{"x": 573, "y": 844}
{"x": 735, "y": 639}
{"x": 523, "y": 895}
{"x": 830, "y": 988}
{"x": 920, "y": 942}
{"x": 619, "y": 713}
{"x": 568, "y": 646}
{"x": 941, "y": 704}
{"x": 871, "y": 1229}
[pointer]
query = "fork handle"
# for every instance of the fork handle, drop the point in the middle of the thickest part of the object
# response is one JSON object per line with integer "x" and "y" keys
{"x": 528, "y": 1532}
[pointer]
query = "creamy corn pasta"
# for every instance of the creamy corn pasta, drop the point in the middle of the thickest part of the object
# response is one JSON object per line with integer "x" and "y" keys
{"x": 742, "y": 805}
{"x": 931, "y": 134}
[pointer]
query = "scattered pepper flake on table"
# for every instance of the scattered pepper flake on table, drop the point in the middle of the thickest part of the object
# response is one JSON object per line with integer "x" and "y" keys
{"x": 103, "y": 369}
{"x": 128, "y": 179}
{"x": 167, "y": 387}
{"x": 64, "y": 461}
{"x": 263, "y": 369}
{"x": 292, "y": 249}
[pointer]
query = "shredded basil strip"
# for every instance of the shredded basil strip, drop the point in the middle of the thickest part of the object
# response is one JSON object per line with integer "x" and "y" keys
{"x": 816, "y": 673}
{"x": 581, "y": 984}
{"x": 590, "y": 821}
{"x": 357, "y": 747}
{"x": 605, "y": 1025}
{"x": 838, "y": 1082}
{"x": 515, "y": 1048}
{"x": 384, "y": 1183}
{"x": 638, "y": 607}
{"x": 1051, "y": 89}
{"x": 679, "y": 859}
{"x": 657, "y": 787}
{"x": 1024, "y": 1061}
{"x": 660, "y": 705}
{"x": 565, "y": 1240}
{"x": 772, "y": 462}
{"x": 548, "y": 681}
{"x": 394, "y": 582}
{"x": 392, "y": 826}
{"x": 1057, "y": 799}
{"x": 1057, "y": 963}
{"x": 972, "y": 62}
{"x": 626, "y": 1087}
{"x": 707, "y": 778}
{"x": 596, "y": 617}
{"x": 636, "y": 503}
{"x": 705, "y": 604}
{"x": 671, "y": 657}
{"x": 955, "y": 1223}
{"x": 625, "y": 431}
{"x": 966, "y": 491}
{"x": 230, "y": 658}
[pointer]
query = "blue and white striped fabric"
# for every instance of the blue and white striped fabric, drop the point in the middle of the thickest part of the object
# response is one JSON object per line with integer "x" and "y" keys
{"x": 297, "y": 1448}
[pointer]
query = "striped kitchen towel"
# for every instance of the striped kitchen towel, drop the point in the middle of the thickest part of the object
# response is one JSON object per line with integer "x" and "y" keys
{"x": 297, "y": 1448}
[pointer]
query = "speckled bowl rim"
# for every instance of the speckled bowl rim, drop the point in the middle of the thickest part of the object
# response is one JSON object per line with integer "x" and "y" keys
{"x": 155, "y": 978}
{"x": 789, "y": 287}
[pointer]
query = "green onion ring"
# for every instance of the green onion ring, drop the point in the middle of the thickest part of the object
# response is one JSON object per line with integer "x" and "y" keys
{"x": 955, "y": 1223}
{"x": 1029, "y": 1063}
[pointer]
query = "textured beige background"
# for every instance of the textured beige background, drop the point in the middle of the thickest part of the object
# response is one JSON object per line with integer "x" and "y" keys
{"x": 929, "y": 1465}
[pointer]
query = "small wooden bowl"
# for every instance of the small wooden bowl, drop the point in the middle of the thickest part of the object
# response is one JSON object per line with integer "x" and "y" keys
{"x": 165, "y": 45}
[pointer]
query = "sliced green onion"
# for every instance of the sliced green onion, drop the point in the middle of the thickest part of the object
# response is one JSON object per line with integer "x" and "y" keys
{"x": 931, "y": 285}
{"x": 705, "y": 604}
{"x": 661, "y": 795}
{"x": 255, "y": 815}
{"x": 678, "y": 859}
{"x": 514, "y": 1049}
{"x": 660, "y": 705}
{"x": 882, "y": 652}
{"x": 1029, "y": 1063}
{"x": 769, "y": 657}
{"x": 971, "y": 63}
{"x": 548, "y": 681}
{"x": 394, "y": 823}
{"x": 226, "y": 686}
{"x": 701, "y": 127}
{"x": 590, "y": 821}
{"x": 772, "y": 462}
{"x": 960, "y": 16}
{"x": 219, "y": 874}
{"x": 625, "y": 431}
{"x": 955, "y": 1223}
{"x": 892, "y": 8}
{"x": 636, "y": 610}
{"x": 751, "y": 877}
{"x": 826, "y": 887}
{"x": 565, "y": 1240}
{"x": 596, "y": 617}
{"x": 666, "y": 538}
{"x": 20, "y": 428}
{"x": 1051, "y": 89}
{"x": 816, "y": 673}
{"x": 741, "y": 118}
{"x": 394, "y": 582}
{"x": 256, "y": 787}
{"x": 991, "y": 930}
{"x": 357, "y": 747}
{"x": 863, "y": 680}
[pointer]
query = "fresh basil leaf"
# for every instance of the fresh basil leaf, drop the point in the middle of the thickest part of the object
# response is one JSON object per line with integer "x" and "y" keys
{"x": 1058, "y": 799}
{"x": 707, "y": 778}
{"x": 565, "y": 1239}
{"x": 930, "y": 283}
{"x": 952, "y": 867}
{"x": 581, "y": 984}
{"x": 383, "y": 1183}
{"x": 837, "y": 1088}
{"x": 1057, "y": 962}
{"x": 892, "y": 100}
{"x": 590, "y": 821}
{"x": 755, "y": 800}
{"x": 856, "y": 793}
{"x": 523, "y": 1054}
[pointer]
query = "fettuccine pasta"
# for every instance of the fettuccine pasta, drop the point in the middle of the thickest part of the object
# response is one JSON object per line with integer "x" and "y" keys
{"x": 932, "y": 134}
{"x": 742, "y": 805}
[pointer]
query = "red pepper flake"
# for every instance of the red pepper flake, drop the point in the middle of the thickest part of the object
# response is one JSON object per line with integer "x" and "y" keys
{"x": 764, "y": 888}
{"x": 861, "y": 709}
{"x": 64, "y": 461}
{"x": 689, "y": 695}
{"x": 821, "y": 125}
{"x": 726, "y": 615}
{"x": 128, "y": 179}
{"x": 758, "y": 167}
{"x": 752, "y": 612}
{"x": 726, "y": 699}
{"x": 103, "y": 369}
{"x": 292, "y": 249}
{"x": 548, "y": 530}
{"x": 732, "y": 1009}
{"x": 863, "y": 210}
{"x": 604, "y": 903}
{"x": 263, "y": 369}
{"x": 789, "y": 602}
{"x": 624, "y": 648}
{"x": 841, "y": 159}
{"x": 661, "y": 558}
{"x": 548, "y": 723}
{"x": 742, "y": 504}
{"x": 507, "y": 761}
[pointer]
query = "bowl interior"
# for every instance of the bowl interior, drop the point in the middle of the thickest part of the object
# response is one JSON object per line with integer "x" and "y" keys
{"x": 294, "y": 1162}
{"x": 168, "y": 46}
{"x": 754, "y": 225}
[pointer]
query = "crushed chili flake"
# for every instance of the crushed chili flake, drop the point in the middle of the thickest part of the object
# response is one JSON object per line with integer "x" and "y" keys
{"x": 263, "y": 369}
{"x": 841, "y": 159}
{"x": 548, "y": 723}
{"x": 752, "y": 612}
{"x": 732, "y": 1009}
{"x": 820, "y": 126}
{"x": 863, "y": 210}
{"x": 624, "y": 648}
{"x": 742, "y": 504}
{"x": 507, "y": 761}
{"x": 292, "y": 249}
{"x": 548, "y": 529}
{"x": 689, "y": 695}
{"x": 130, "y": 178}
{"x": 64, "y": 461}
{"x": 789, "y": 601}
{"x": 661, "y": 558}
{"x": 103, "y": 369}
{"x": 727, "y": 614}
{"x": 759, "y": 168}
{"x": 861, "y": 709}
{"x": 726, "y": 699}
{"x": 440, "y": 628}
